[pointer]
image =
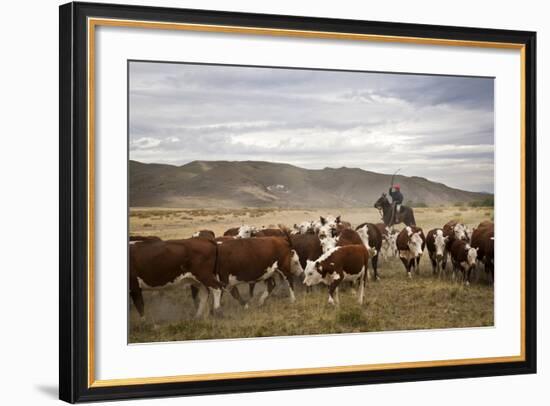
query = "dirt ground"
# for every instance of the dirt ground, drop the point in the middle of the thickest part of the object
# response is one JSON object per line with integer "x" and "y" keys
{"x": 393, "y": 303}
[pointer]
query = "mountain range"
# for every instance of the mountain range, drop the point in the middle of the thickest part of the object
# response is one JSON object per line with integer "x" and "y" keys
{"x": 236, "y": 184}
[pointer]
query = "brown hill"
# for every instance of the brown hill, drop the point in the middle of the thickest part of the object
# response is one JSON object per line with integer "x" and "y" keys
{"x": 269, "y": 184}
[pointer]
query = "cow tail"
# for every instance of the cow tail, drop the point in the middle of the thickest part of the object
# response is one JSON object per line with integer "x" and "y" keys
{"x": 287, "y": 234}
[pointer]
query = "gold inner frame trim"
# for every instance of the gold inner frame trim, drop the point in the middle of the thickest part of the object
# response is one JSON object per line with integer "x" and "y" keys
{"x": 93, "y": 22}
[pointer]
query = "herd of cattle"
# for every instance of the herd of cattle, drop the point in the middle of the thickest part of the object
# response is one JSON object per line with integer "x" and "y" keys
{"x": 328, "y": 251}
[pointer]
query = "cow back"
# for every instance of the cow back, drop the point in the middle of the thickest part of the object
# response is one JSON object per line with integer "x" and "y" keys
{"x": 270, "y": 232}
{"x": 248, "y": 258}
{"x": 350, "y": 258}
{"x": 348, "y": 237}
{"x": 160, "y": 262}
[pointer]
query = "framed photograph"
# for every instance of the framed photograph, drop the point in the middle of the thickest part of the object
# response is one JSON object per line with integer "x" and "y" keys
{"x": 257, "y": 202}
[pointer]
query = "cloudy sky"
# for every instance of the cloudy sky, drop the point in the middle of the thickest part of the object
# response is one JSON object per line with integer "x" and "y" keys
{"x": 438, "y": 127}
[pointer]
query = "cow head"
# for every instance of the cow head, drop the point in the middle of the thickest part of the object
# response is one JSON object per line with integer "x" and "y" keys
{"x": 295, "y": 266}
{"x": 471, "y": 255}
{"x": 304, "y": 227}
{"x": 439, "y": 242}
{"x": 415, "y": 243}
{"x": 328, "y": 243}
{"x": 460, "y": 231}
{"x": 246, "y": 231}
{"x": 312, "y": 273}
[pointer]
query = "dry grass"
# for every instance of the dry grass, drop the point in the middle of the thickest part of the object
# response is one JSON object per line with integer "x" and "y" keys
{"x": 394, "y": 303}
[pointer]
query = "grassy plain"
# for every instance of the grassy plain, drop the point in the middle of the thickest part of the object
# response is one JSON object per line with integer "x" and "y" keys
{"x": 393, "y": 303}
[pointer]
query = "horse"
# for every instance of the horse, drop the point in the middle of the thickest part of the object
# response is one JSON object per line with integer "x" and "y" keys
{"x": 405, "y": 215}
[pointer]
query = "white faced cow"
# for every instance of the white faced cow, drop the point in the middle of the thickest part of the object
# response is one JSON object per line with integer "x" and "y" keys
{"x": 436, "y": 243}
{"x": 464, "y": 258}
{"x": 347, "y": 263}
{"x": 410, "y": 243}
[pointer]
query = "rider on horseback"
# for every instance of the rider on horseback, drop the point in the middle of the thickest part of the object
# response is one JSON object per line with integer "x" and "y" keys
{"x": 397, "y": 200}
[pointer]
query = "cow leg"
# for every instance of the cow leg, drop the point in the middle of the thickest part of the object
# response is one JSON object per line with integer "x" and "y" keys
{"x": 434, "y": 264}
{"x": 237, "y": 296}
{"x": 417, "y": 267}
{"x": 467, "y": 275}
{"x": 362, "y": 281}
{"x": 194, "y": 294}
{"x": 269, "y": 286}
{"x": 251, "y": 287}
{"x": 406, "y": 265}
{"x": 137, "y": 297}
{"x": 374, "y": 262}
{"x": 333, "y": 292}
{"x": 216, "y": 298}
{"x": 203, "y": 302}
{"x": 290, "y": 285}
{"x": 411, "y": 267}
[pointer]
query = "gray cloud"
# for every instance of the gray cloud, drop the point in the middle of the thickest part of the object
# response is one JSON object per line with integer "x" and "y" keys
{"x": 438, "y": 127}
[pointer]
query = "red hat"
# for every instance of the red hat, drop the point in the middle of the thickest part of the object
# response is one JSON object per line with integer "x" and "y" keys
{"x": 397, "y": 186}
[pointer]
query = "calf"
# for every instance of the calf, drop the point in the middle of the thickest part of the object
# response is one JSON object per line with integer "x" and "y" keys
{"x": 347, "y": 263}
{"x": 157, "y": 264}
{"x": 436, "y": 243}
{"x": 251, "y": 260}
{"x": 463, "y": 257}
{"x": 410, "y": 244}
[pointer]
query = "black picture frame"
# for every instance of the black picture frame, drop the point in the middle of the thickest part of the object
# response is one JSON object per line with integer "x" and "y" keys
{"x": 73, "y": 256}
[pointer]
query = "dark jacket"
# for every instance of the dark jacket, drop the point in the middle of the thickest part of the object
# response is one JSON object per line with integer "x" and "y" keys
{"x": 396, "y": 196}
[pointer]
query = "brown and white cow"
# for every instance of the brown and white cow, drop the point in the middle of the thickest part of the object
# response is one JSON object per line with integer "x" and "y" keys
{"x": 372, "y": 238}
{"x": 347, "y": 263}
{"x": 436, "y": 244}
{"x": 410, "y": 244}
{"x": 157, "y": 264}
{"x": 483, "y": 238}
{"x": 252, "y": 260}
{"x": 464, "y": 259}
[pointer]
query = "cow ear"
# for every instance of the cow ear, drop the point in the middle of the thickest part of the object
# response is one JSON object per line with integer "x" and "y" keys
{"x": 323, "y": 221}
{"x": 338, "y": 219}
{"x": 477, "y": 249}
